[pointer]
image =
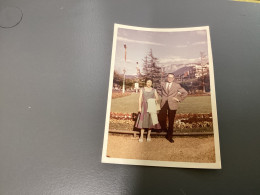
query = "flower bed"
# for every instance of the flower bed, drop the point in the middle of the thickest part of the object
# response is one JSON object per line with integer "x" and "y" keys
{"x": 183, "y": 122}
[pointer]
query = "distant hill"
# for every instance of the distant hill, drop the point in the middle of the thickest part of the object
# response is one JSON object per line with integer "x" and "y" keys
{"x": 173, "y": 67}
{"x": 130, "y": 76}
{"x": 182, "y": 70}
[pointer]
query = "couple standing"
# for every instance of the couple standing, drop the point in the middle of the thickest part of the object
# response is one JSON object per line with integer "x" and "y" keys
{"x": 171, "y": 94}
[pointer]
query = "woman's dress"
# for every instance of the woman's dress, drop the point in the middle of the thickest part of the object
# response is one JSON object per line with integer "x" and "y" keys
{"x": 144, "y": 119}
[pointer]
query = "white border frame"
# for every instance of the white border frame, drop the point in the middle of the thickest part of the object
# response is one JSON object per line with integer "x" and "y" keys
{"x": 217, "y": 164}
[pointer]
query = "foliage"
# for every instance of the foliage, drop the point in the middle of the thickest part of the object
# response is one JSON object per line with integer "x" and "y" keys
{"x": 118, "y": 79}
{"x": 191, "y": 121}
{"x": 194, "y": 86}
{"x": 152, "y": 70}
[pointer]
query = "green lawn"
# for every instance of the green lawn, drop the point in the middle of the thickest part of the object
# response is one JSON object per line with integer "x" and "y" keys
{"x": 192, "y": 104}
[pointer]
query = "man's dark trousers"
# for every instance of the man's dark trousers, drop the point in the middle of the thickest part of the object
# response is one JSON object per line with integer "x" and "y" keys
{"x": 163, "y": 116}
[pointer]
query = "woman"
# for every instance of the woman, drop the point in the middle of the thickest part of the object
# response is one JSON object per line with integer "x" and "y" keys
{"x": 147, "y": 120}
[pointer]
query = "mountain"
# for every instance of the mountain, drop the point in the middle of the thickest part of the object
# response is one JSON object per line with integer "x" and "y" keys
{"x": 130, "y": 76}
{"x": 172, "y": 68}
{"x": 181, "y": 71}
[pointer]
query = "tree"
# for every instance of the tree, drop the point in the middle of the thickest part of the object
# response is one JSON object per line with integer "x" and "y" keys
{"x": 118, "y": 79}
{"x": 152, "y": 70}
{"x": 203, "y": 62}
{"x": 129, "y": 83}
{"x": 204, "y": 83}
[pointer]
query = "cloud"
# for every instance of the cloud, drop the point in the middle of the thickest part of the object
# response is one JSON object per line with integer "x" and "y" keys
{"x": 121, "y": 60}
{"x": 137, "y": 41}
{"x": 130, "y": 65}
{"x": 130, "y": 70}
{"x": 199, "y": 43}
{"x": 181, "y": 46}
{"x": 168, "y": 59}
{"x": 177, "y": 60}
{"x": 188, "y": 44}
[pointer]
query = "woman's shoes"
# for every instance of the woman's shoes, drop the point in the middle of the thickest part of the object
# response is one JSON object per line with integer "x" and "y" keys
{"x": 148, "y": 139}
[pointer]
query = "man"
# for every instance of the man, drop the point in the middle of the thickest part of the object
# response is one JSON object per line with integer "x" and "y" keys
{"x": 172, "y": 93}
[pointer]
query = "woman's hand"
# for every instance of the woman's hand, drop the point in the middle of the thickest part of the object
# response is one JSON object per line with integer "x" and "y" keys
{"x": 139, "y": 109}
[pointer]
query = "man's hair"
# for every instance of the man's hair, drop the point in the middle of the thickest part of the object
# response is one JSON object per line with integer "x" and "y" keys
{"x": 171, "y": 74}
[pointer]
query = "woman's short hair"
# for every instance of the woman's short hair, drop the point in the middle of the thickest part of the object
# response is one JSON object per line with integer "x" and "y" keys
{"x": 148, "y": 79}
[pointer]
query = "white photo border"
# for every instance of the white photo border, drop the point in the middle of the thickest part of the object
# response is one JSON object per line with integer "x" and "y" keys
{"x": 105, "y": 159}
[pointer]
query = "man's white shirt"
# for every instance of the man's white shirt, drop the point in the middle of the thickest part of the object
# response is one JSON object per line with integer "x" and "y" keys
{"x": 168, "y": 85}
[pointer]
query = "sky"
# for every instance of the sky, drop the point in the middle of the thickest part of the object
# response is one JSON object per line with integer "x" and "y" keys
{"x": 169, "y": 47}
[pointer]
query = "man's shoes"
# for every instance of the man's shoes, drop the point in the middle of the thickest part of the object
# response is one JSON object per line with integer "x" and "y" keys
{"x": 170, "y": 139}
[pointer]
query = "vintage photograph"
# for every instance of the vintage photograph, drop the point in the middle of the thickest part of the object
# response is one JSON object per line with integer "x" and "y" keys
{"x": 161, "y": 105}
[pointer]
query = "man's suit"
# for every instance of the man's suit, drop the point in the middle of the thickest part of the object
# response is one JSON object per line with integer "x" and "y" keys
{"x": 168, "y": 103}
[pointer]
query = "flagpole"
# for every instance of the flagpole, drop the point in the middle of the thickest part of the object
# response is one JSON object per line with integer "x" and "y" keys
{"x": 124, "y": 70}
{"x": 137, "y": 75}
{"x": 202, "y": 67}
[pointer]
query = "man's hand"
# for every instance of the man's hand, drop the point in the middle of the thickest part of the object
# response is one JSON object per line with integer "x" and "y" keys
{"x": 176, "y": 99}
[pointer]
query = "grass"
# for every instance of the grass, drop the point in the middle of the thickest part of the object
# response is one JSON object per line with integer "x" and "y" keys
{"x": 192, "y": 104}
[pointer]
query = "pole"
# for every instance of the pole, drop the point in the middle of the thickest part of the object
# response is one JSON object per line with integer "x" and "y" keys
{"x": 124, "y": 82}
{"x": 124, "y": 70}
{"x": 138, "y": 70}
{"x": 202, "y": 64}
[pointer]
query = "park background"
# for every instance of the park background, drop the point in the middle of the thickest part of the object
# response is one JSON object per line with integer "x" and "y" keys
{"x": 147, "y": 54}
